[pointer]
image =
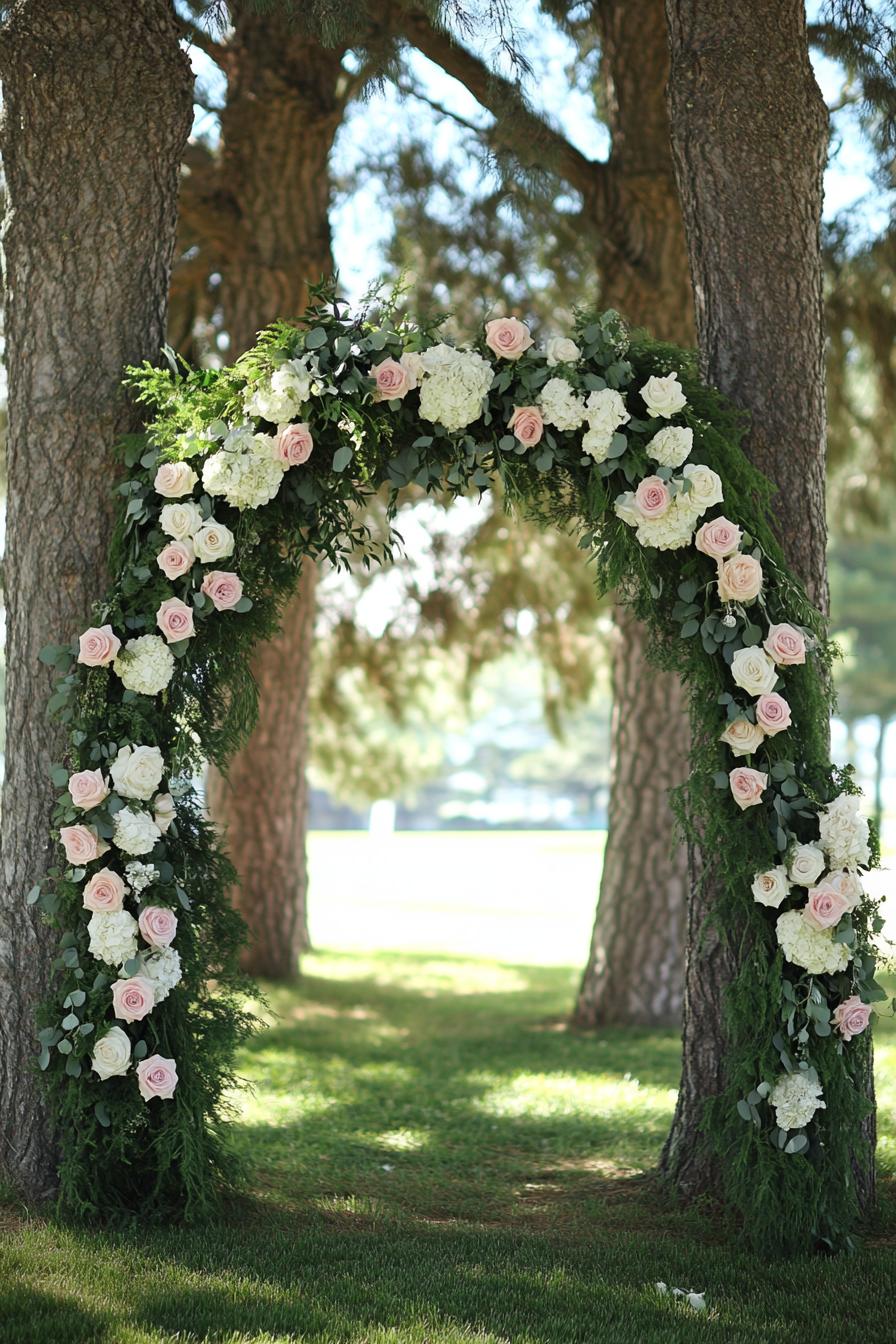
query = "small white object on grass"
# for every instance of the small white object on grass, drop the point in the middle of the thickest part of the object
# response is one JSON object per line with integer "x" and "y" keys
{"x": 697, "y": 1301}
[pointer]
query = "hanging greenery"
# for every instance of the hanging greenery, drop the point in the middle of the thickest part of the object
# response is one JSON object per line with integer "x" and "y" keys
{"x": 246, "y": 471}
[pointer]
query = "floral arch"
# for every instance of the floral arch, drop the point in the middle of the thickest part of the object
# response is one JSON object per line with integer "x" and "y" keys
{"x": 242, "y": 473}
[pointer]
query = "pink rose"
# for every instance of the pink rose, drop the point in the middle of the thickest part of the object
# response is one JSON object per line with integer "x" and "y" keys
{"x": 652, "y": 497}
{"x": 158, "y": 925}
{"x": 294, "y": 444}
{"x": 393, "y": 380}
{"x": 740, "y": 579}
{"x": 156, "y": 1077}
{"x": 176, "y": 559}
{"x": 747, "y": 786}
{"x": 175, "y": 620}
{"x": 786, "y": 645}
{"x": 104, "y": 891}
{"x": 719, "y": 538}
{"x": 81, "y": 844}
{"x": 175, "y": 479}
{"x": 133, "y": 999}
{"x": 773, "y": 713}
{"x": 224, "y": 589}
{"x": 88, "y": 788}
{"x": 825, "y": 907}
{"x": 98, "y": 646}
{"x": 508, "y": 337}
{"x": 851, "y": 1017}
{"x": 527, "y": 424}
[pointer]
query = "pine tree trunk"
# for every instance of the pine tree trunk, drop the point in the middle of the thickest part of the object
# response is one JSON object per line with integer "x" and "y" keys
{"x": 635, "y": 970}
{"x": 278, "y": 127}
{"x": 97, "y": 106}
{"x": 749, "y": 132}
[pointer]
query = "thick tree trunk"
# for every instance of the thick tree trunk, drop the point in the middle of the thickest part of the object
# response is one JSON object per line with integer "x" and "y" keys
{"x": 749, "y": 132}
{"x": 97, "y": 106}
{"x": 278, "y": 127}
{"x": 644, "y": 272}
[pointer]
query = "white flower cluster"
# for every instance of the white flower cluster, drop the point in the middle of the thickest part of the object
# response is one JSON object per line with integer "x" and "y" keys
{"x": 844, "y": 832}
{"x": 813, "y": 949}
{"x": 247, "y": 470}
{"x": 134, "y": 832}
{"x": 113, "y": 936}
{"x": 796, "y": 1097}
{"x": 671, "y": 446}
{"x": 140, "y": 876}
{"x": 145, "y": 665}
{"x": 605, "y": 412}
{"x": 280, "y": 398}
{"x": 163, "y": 970}
{"x": 560, "y": 406}
{"x": 455, "y": 383}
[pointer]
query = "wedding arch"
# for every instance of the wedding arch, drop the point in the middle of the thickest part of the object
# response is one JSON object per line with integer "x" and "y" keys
{"x": 242, "y": 473}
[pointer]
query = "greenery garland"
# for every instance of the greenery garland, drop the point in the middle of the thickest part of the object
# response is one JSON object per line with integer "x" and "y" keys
{"x": 245, "y": 471}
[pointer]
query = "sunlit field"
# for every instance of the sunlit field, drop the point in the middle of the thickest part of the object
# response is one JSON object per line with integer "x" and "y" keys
{"x": 434, "y": 1157}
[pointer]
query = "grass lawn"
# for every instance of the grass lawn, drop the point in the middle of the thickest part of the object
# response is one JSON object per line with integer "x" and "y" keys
{"x": 436, "y": 1158}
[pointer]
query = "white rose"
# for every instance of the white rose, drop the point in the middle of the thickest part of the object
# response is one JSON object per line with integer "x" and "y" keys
{"x": 113, "y": 936}
{"x": 111, "y": 1054}
{"x": 135, "y": 832}
{"x": 561, "y": 350}
{"x": 705, "y": 488}
{"x": 807, "y": 863}
{"x": 743, "y": 737}
{"x": 624, "y": 508}
{"x": 180, "y": 521}
{"x": 754, "y": 671}
{"x": 175, "y": 479}
{"x": 145, "y": 664}
{"x": 213, "y": 541}
{"x": 770, "y": 887}
{"x": 137, "y": 771}
{"x": 671, "y": 445}
{"x": 163, "y": 811}
{"x": 663, "y": 396}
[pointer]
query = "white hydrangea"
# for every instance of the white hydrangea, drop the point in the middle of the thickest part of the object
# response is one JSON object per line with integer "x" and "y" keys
{"x": 247, "y": 471}
{"x": 113, "y": 936}
{"x": 145, "y": 665}
{"x": 796, "y": 1097}
{"x": 280, "y": 398}
{"x": 137, "y": 771}
{"x": 135, "y": 832}
{"x": 163, "y": 969}
{"x": 560, "y": 406}
{"x": 844, "y": 832}
{"x": 813, "y": 949}
{"x": 455, "y": 383}
{"x": 671, "y": 531}
{"x": 605, "y": 412}
{"x": 140, "y": 876}
{"x": 671, "y": 446}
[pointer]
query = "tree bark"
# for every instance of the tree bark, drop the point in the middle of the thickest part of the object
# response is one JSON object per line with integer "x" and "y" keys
{"x": 749, "y": 133}
{"x": 97, "y": 107}
{"x": 635, "y": 969}
{"x": 283, "y": 110}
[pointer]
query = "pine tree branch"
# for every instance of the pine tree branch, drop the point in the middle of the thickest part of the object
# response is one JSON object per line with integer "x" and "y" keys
{"x": 198, "y": 36}
{"x": 411, "y": 90}
{"x": 530, "y": 138}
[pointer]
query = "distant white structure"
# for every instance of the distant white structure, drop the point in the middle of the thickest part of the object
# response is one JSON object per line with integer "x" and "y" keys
{"x": 382, "y": 817}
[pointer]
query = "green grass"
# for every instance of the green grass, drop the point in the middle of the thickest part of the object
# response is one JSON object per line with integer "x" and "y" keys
{"x": 436, "y": 1158}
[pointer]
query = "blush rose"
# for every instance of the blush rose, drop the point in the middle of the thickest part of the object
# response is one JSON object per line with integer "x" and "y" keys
{"x": 294, "y": 444}
{"x": 507, "y": 337}
{"x": 740, "y": 579}
{"x": 527, "y": 424}
{"x": 718, "y": 538}
{"x": 825, "y": 907}
{"x": 104, "y": 892}
{"x": 747, "y": 786}
{"x": 88, "y": 788}
{"x": 156, "y": 1077}
{"x": 773, "y": 713}
{"x": 176, "y": 559}
{"x": 653, "y": 497}
{"x": 81, "y": 844}
{"x": 175, "y": 620}
{"x": 133, "y": 999}
{"x": 98, "y": 646}
{"x": 158, "y": 925}
{"x": 786, "y": 645}
{"x": 223, "y": 587}
{"x": 851, "y": 1017}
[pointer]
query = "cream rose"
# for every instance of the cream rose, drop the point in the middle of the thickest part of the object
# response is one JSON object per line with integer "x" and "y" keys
{"x": 773, "y": 713}
{"x": 771, "y": 887}
{"x": 175, "y": 479}
{"x": 526, "y": 424}
{"x": 213, "y": 542}
{"x": 753, "y": 671}
{"x": 98, "y": 646}
{"x": 104, "y": 892}
{"x": 158, "y": 925}
{"x": 133, "y": 999}
{"x": 81, "y": 844}
{"x": 652, "y": 497}
{"x": 507, "y": 337}
{"x": 743, "y": 737}
{"x": 624, "y": 509}
{"x": 806, "y": 865}
{"x": 163, "y": 811}
{"x": 176, "y": 559}
{"x": 137, "y": 771}
{"x": 718, "y": 539}
{"x": 111, "y": 1054}
{"x": 180, "y": 521}
{"x": 224, "y": 588}
{"x": 786, "y": 645}
{"x": 175, "y": 620}
{"x": 663, "y": 397}
{"x": 156, "y": 1077}
{"x": 88, "y": 788}
{"x": 747, "y": 786}
{"x": 851, "y": 1017}
{"x": 824, "y": 907}
{"x": 740, "y": 579}
{"x": 705, "y": 487}
{"x": 561, "y": 350}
